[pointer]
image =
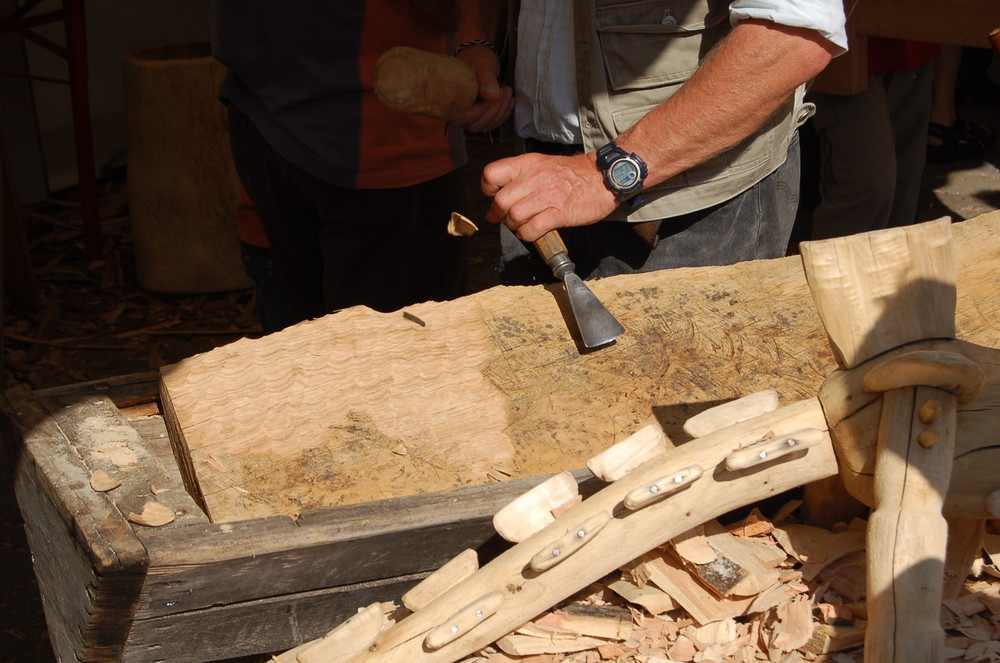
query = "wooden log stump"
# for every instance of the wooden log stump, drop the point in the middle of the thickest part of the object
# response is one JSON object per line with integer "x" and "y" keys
{"x": 182, "y": 184}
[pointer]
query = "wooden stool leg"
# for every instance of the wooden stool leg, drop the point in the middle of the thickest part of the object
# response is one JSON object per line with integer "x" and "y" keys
{"x": 907, "y": 535}
{"x": 827, "y": 502}
{"x": 965, "y": 540}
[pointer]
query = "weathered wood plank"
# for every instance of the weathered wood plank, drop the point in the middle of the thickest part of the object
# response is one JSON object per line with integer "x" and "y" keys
{"x": 198, "y": 566}
{"x": 104, "y": 440}
{"x": 124, "y": 390}
{"x": 66, "y": 580}
{"x": 267, "y": 624}
{"x": 88, "y": 562}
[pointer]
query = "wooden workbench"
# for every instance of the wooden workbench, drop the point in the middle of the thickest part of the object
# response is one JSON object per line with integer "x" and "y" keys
{"x": 196, "y": 590}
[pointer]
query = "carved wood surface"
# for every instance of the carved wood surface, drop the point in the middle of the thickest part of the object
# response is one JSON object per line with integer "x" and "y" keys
{"x": 854, "y": 414}
{"x": 361, "y": 405}
{"x": 898, "y": 286}
{"x": 502, "y": 595}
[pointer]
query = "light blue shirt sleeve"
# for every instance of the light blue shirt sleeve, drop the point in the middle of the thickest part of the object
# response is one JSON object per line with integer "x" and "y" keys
{"x": 824, "y": 16}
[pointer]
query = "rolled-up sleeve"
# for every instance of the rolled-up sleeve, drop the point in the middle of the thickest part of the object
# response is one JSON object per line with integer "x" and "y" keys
{"x": 824, "y": 16}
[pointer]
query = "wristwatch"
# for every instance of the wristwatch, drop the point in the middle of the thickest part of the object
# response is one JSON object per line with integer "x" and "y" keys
{"x": 624, "y": 173}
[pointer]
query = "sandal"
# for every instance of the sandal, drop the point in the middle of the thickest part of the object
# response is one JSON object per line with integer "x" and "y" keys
{"x": 962, "y": 140}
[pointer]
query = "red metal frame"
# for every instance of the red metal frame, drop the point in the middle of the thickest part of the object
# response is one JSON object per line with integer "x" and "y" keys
{"x": 75, "y": 53}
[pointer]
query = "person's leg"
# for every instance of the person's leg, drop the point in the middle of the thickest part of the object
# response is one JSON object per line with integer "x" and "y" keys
{"x": 908, "y": 93}
{"x": 755, "y": 225}
{"x": 949, "y": 137}
{"x": 389, "y": 248}
{"x": 271, "y": 301}
{"x": 439, "y": 261}
{"x": 946, "y": 68}
{"x": 857, "y": 162}
{"x": 290, "y": 222}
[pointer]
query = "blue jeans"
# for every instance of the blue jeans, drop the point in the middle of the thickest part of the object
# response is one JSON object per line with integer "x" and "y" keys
{"x": 755, "y": 224}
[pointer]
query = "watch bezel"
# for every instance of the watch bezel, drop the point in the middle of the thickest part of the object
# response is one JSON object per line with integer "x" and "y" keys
{"x": 610, "y": 157}
{"x": 634, "y": 175}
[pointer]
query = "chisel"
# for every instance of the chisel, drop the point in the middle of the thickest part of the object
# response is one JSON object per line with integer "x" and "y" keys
{"x": 596, "y": 324}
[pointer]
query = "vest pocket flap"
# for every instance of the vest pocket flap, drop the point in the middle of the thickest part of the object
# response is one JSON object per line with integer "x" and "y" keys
{"x": 651, "y": 42}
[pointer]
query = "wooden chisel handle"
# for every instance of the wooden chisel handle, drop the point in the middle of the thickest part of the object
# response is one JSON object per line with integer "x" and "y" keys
{"x": 554, "y": 252}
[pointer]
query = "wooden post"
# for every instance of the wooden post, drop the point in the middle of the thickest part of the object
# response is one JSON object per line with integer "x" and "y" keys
{"x": 875, "y": 292}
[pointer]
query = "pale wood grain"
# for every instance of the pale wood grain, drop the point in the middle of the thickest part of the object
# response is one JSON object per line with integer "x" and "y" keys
{"x": 876, "y": 292}
{"x": 495, "y": 378}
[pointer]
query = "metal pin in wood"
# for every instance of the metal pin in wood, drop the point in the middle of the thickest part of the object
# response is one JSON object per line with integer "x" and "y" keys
{"x": 767, "y": 451}
{"x": 663, "y": 487}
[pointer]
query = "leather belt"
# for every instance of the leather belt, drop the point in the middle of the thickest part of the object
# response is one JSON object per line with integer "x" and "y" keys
{"x": 555, "y": 149}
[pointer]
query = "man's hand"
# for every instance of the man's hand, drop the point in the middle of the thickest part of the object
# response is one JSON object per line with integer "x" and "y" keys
{"x": 494, "y": 103}
{"x": 535, "y": 193}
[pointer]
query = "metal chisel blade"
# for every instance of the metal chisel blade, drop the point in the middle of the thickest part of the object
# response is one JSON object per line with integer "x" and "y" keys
{"x": 599, "y": 327}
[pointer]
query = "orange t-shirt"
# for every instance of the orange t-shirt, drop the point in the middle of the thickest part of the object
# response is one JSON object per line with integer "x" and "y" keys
{"x": 302, "y": 72}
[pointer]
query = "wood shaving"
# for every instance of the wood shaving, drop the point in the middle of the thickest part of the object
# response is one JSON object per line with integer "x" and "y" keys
{"x": 101, "y": 482}
{"x": 153, "y": 514}
{"x": 461, "y": 226}
{"x": 788, "y": 623}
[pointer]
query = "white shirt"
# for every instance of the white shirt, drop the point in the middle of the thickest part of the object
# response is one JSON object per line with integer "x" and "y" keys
{"x": 544, "y": 72}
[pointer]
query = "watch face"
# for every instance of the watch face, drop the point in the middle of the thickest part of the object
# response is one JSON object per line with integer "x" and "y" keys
{"x": 623, "y": 173}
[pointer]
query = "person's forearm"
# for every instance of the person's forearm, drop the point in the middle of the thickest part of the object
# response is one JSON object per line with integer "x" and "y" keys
{"x": 737, "y": 88}
{"x": 740, "y": 84}
{"x": 480, "y": 19}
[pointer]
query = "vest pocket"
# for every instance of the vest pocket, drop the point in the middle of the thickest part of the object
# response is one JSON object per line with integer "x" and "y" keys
{"x": 652, "y": 43}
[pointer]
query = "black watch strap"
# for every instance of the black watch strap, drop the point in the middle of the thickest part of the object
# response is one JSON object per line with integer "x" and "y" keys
{"x": 607, "y": 153}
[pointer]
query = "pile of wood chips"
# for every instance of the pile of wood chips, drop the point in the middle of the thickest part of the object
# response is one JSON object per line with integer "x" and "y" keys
{"x": 753, "y": 591}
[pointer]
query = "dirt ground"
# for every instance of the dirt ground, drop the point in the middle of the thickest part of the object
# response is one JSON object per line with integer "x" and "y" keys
{"x": 94, "y": 321}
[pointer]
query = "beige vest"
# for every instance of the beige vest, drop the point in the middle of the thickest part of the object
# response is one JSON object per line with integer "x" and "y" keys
{"x": 633, "y": 55}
